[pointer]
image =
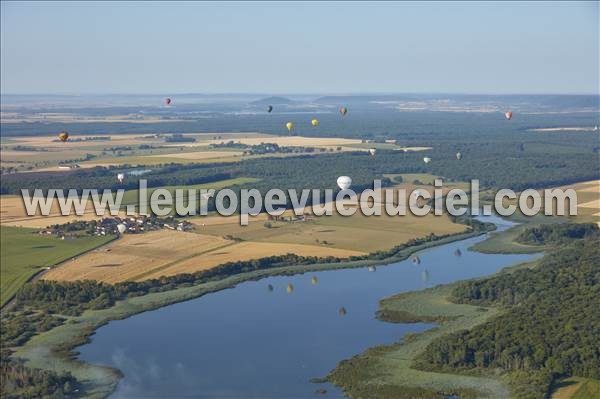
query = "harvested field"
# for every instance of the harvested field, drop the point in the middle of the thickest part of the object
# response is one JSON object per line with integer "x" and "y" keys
{"x": 13, "y": 213}
{"x": 167, "y": 252}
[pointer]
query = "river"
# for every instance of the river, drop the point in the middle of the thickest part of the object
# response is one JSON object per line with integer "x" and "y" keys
{"x": 258, "y": 340}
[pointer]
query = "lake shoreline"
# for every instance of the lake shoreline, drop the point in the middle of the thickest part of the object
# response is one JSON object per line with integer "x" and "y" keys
{"x": 54, "y": 349}
{"x": 353, "y": 375}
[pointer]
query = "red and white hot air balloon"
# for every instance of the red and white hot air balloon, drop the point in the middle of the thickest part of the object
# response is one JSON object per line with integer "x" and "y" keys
{"x": 508, "y": 115}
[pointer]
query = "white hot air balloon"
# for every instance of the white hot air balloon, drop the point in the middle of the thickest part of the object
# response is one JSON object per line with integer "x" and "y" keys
{"x": 372, "y": 151}
{"x": 120, "y": 177}
{"x": 426, "y": 159}
{"x": 121, "y": 227}
{"x": 344, "y": 182}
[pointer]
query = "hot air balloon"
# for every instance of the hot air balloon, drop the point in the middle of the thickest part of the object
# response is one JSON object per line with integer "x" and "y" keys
{"x": 426, "y": 159}
{"x": 343, "y": 111}
{"x": 416, "y": 260}
{"x": 269, "y": 108}
{"x": 120, "y": 177}
{"x": 121, "y": 228}
{"x": 457, "y": 252}
{"x": 290, "y": 288}
{"x": 63, "y": 136}
{"x": 344, "y": 182}
{"x": 314, "y": 280}
{"x": 372, "y": 151}
{"x": 372, "y": 269}
{"x": 167, "y": 101}
{"x": 508, "y": 115}
{"x": 290, "y": 126}
{"x": 458, "y": 156}
{"x": 342, "y": 311}
{"x": 315, "y": 122}
{"x": 270, "y": 288}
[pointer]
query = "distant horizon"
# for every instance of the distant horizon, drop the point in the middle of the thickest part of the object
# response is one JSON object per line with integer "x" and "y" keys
{"x": 283, "y": 94}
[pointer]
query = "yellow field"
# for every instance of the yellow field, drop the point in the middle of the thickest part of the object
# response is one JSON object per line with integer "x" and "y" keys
{"x": 168, "y": 252}
{"x": 13, "y": 213}
{"x": 52, "y": 152}
{"x": 201, "y": 154}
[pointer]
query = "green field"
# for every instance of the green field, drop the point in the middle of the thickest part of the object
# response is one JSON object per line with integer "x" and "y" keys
{"x": 132, "y": 196}
{"x": 24, "y": 253}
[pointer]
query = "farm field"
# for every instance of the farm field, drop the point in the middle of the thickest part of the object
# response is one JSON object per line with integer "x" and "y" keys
{"x": 24, "y": 253}
{"x": 44, "y": 153}
{"x": 13, "y": 213}
{"x": 357, "y": 232}
{"x": 132, "y": 196}
{"x": 588, "y": 201}
{"x": 167, "y": 252}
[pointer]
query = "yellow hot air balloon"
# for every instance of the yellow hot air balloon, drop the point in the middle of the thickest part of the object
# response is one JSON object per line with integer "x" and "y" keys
{"x": 315, "y": 122}
{"x": 314, "y": 280}
{"x": 63, "y": 136}
{"x": 290, "y": 126}
{"x": 290, "y": 288}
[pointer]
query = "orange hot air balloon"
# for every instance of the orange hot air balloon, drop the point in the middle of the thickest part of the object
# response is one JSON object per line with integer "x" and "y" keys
{"x": 508, "y": 115}
{"x": 167, "y": 101}
{"x": 343, "y": 111}
{"x": 63, "y": 136}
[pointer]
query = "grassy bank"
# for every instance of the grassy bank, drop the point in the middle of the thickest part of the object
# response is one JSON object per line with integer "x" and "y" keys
{"x": 52, "y": 350}
{"x": 504, "y": 242}
{"x": 385, "y": 371}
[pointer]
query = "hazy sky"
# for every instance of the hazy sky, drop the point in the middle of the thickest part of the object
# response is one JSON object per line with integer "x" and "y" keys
{"x": 299, "y": 47}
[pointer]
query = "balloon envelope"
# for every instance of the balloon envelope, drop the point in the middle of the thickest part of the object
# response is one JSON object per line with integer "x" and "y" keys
{"x": 508, "y": 115}
{"x": 343, "y": 111}
{"x": 458, "y": 156}
{"x": 344, "y": 182}
{"x": 120, "y": 177}
{"x": 290, "y": 288}
{"x": 290, "y": 126}
{"x": 426, "y": 159}
{"x": 314, "y": 280}
{"x": 167, "y": 101}
{"x": 63, "y": 136}
{"x": 121, "y": 228}
{"x": 270, "y": 108}
{"x": 315, "y": 122}
{"x": 372, "y": 151}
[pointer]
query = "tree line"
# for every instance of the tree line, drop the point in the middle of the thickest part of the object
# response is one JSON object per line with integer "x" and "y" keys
{"x": 549, "y": 329}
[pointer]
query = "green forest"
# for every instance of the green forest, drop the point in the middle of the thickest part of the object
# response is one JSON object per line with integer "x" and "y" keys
{"x": 551, "y": 323}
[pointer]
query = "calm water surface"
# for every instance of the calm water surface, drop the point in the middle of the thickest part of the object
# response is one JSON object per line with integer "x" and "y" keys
{"x": 251, "y": 342}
